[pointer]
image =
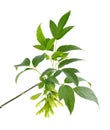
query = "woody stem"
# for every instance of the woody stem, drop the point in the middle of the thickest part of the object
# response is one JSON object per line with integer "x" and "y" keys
{"x": 22, "y": 93}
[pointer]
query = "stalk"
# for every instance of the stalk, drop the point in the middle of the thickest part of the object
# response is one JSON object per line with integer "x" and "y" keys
{"x": 22, "y": 93}
{"x": 55, "y": 48}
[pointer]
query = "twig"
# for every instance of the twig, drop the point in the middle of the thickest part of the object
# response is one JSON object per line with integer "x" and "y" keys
{"x": 18, "y": 95}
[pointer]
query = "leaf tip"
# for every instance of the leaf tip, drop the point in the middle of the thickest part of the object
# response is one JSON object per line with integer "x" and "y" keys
{"x": 69, "y": 12}
{"x": 16, "y": 67}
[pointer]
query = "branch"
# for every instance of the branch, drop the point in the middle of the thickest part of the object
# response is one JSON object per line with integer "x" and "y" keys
{"x": 18, "y": 95}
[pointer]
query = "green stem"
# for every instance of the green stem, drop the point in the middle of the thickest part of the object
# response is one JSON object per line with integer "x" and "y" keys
{"x": 55, "y": 49}
{"x": 18, "y": 95}
{"x": 37, "y": 71}
{"x": 50, "y": 59}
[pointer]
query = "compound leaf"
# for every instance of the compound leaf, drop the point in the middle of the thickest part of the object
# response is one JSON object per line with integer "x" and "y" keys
{"x": 50, "y": 43}
{"x": 64, "y": 31}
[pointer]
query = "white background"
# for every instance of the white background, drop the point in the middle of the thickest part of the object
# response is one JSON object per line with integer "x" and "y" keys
{"x": 18, "y": 22}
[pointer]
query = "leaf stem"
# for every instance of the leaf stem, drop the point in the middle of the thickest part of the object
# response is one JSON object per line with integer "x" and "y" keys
{"x": 50, "y": 58}
{"x": 55, "y": 48}
{"x": 22, "y": 93}
{"x": 37, "y": 71}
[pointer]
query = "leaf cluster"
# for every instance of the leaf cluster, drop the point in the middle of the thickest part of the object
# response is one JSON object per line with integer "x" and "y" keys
{"x": 53, "y": 91}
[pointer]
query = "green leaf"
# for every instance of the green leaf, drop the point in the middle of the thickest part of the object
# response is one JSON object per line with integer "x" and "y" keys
{"x": 66, "y": 92}
{"x": 37, "y": 59}
{"x": 82, "y": 79}
{"x": 53, "y": 29}
{"x": 73, "y": 70}
{"x": 57, "y": 73}
{"x": 41, "y": 85}
{"x": 59, "y": 32}
{"x": 48, "y": 72}
{"x": 67, "y": 80}
{"x": 54, "y": 94}
{"x": 47, "y": 56}
{"x": 16, "y": 79}
{"x": 64, "y": 31}
{"x": 66, "y": 48}
{"x": 34, "y": 97}
{"x": 59, "y": 54}
{"x": 89, "y": 83}
{"x": 49, "y": 86}
{"x": 67, "y": 61}
{"x": 70, "y": 73}
{"x": 50, "y": 43}
{"x": 40, "y": 36}
{"x": 52, "y": 79}
{"x": 39, "y": 47}
{"x": 25, "y": 62}
{"x": 86, "y": 93}
{"x": 63, "y": 20}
